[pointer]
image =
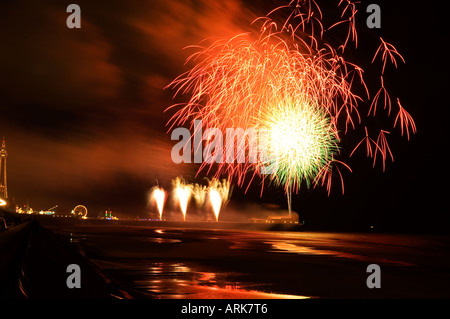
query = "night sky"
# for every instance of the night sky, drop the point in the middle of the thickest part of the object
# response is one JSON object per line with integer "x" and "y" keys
{"x": 82, "y": 109}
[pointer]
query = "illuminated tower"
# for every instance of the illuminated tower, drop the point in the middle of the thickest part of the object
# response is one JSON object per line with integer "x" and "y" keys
{"x": 3, "y": 183}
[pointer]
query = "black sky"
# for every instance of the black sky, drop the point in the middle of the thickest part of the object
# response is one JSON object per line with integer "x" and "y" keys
{"x": 82, "y": 109}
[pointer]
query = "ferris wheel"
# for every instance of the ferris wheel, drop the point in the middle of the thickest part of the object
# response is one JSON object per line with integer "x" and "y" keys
{"x": 80, "y": 210}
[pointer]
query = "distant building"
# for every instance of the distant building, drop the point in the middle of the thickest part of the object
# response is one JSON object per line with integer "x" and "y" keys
{"x": 3, "y": 177}
{"x": 277, "y": 219}
{"x": 293, "y": 219}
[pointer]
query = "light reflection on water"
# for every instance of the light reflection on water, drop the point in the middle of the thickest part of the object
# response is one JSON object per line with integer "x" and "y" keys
{"x": 281, "y": 246}
{"x": 176, "y": 280}
{"x": 170, "y": 279}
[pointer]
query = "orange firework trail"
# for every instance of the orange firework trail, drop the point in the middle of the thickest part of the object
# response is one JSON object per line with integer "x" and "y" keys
{"x": 290, "y": 82}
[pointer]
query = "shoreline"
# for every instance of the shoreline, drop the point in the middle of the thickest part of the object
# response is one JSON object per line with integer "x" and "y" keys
{"x": 37, "y": 267}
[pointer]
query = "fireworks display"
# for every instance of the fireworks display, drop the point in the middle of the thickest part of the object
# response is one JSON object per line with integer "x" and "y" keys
{"x": 159, "y": 196}
{"x": 217, "y": 192}
{"x": 289, "y": 81}
{"x": 182, "y": 192}
{"x": 216, "y": 202}
{"x": 199, "y": 194}
{"x": 303, "y": 141}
